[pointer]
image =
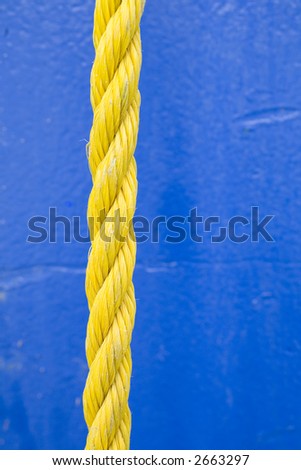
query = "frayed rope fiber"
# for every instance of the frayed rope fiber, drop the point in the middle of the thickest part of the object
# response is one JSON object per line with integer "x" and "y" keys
{"x": 115, "y": 101}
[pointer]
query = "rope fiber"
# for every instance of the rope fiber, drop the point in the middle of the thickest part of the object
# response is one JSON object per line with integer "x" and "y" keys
{"x": 115, "y": 100}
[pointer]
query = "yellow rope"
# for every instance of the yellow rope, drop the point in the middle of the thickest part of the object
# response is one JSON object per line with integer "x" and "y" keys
{"x": 115, "y": 101}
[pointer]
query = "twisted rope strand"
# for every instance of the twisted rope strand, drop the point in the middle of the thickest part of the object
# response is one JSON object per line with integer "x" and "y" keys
{"x": 115, "y": 102}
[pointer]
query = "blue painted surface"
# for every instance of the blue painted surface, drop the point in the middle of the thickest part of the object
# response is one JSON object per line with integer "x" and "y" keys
{"x": 217, "y": 342}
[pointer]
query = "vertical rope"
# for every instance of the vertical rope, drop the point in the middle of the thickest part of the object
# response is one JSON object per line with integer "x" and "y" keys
{"x": 115, "y": 101}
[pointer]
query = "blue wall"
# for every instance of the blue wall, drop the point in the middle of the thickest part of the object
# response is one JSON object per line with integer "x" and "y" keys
{"x": 217, "y": 343}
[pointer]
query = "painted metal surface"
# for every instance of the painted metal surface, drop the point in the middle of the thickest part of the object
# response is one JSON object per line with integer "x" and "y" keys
{"x": 217, "y": 342}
